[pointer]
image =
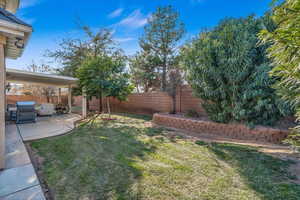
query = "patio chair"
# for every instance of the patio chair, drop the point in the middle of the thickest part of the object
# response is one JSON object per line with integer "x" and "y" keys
{"x": 45, "y": 109}
{"x": 12, "y": 112}
{"x": 61, "y": 109}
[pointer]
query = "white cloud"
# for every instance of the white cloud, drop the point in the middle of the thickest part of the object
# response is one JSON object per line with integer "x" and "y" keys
{"x": 136, "y": 19}
{"x": 29, "y": 3}
{"x": 116, "y": 13}
{"x": 125, "y": 39}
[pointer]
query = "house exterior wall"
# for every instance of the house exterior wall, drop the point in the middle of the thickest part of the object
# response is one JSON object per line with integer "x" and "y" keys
{"x": 2, "y": 4}
{"x": 7, "y": 49}
{"x": 2, "y": 102}
{"x": 10, "y": 5}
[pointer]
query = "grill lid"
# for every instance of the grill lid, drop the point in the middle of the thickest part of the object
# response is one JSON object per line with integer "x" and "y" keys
{"x": 25, "y": 103}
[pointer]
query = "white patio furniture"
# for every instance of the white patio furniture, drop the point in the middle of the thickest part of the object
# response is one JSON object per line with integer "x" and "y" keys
{"x": 45, "y": 109}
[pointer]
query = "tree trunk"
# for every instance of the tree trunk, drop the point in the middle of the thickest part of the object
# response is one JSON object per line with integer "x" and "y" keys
{"x": 108, "y": 106}
{"x": 174, "y": 104}
{"x": 100, "y": 103}
{"x": 164, "y": 74}
{"x": 88, "y": 105}
{"x": 164, "y": 78}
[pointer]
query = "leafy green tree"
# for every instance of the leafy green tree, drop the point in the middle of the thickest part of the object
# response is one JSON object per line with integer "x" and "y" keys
{"x": 229, "y": 72}
{"x": 70, "y": 55}
{"x": 73, "y": 52}
{"x": 285, "y": 54}
{"x": 105, "y": 74}
{"x": 161, "y": 37}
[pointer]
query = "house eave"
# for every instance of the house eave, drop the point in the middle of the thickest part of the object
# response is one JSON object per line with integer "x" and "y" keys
{"x": 13, "y": 31}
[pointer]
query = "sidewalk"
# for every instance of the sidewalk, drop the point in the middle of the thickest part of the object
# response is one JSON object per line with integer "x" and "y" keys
{"x": 18, "y": 181}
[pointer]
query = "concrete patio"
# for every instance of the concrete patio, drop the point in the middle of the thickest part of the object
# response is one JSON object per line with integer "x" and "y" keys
{"x": 48, "y": 127}
{"x": 19, "y": 180}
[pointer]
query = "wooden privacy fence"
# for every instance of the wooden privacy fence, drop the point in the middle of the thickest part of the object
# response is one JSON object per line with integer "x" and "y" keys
{"x": 12, "y": 99}
{"x": 149, "y": 103}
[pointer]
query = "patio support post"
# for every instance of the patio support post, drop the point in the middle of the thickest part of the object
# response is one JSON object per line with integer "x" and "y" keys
{"x": 59, "y": 95}
{"x": 70, "y": 98}
{"x": 84, "y": 103}
{"x": 2, "y": 102}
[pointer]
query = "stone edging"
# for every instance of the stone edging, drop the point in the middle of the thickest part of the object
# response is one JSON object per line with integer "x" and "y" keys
{"x": 233, "y": 131}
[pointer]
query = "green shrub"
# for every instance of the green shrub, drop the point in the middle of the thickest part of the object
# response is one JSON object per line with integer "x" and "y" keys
{"x": 229, "y": 72}
{"x": 201, "y": 143}
{"x": 285, "y": 54}
{"x": 192, "y": 113}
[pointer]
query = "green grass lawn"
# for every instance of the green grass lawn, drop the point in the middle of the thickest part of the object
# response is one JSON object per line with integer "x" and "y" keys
{"x": 128, "y": 159}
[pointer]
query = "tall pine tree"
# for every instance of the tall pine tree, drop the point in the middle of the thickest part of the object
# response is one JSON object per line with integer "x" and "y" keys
{"x": 161, "y": 37}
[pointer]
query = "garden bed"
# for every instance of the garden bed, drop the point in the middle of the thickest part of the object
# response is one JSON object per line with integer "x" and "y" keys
{"x": 233, "y": 131}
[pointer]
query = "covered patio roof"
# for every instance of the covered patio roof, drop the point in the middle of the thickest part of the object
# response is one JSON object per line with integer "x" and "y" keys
{"x": 20, "y": 76}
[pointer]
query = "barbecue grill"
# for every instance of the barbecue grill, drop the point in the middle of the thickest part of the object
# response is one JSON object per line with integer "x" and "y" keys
{"x": 25, "y": 112}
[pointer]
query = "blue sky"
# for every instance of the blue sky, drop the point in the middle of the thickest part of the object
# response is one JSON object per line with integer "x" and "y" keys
{"x": 54, "y": 20}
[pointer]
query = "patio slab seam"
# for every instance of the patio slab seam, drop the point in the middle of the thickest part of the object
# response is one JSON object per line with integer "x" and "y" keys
{"x": 17, "y": 180}
{"x": 21, "y": 190}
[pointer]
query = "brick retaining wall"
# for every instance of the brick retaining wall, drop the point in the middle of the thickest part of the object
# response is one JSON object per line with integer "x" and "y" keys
{"x": 233, "y": 131}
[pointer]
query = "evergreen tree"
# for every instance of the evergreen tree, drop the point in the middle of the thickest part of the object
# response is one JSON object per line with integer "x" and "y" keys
{"x": 229, "y": 72}
{"x": 161, "y": 38}
{"x": 143, "y": 71}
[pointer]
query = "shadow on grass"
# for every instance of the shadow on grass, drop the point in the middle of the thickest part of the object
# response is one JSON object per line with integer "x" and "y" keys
{"x": 96, "y": 162}
{"x": 135, "y": 116}
{"x": 267, "y": 175}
